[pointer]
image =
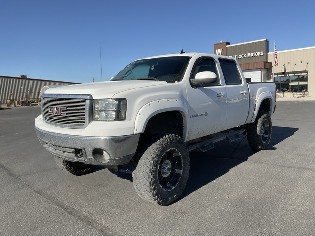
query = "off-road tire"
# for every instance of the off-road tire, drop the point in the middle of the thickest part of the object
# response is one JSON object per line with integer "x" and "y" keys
{"x": 259, "y": 132}
{"x": 162, "y": 171}
{"x": 75, "y": 168}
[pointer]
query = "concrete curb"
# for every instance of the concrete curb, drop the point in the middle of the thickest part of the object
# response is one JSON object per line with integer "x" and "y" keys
{"x": 298, "y": 99}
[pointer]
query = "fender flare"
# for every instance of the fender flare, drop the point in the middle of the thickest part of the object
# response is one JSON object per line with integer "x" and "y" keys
{"x": 262, "y": 96}
{"x": 153, "y": 108}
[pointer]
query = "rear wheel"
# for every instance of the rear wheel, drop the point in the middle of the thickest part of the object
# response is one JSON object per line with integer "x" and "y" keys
{"x": 259, "y": 132}
{"x": 162, "y": 171}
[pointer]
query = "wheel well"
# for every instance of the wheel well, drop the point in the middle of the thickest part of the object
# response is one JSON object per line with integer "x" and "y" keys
{"x": 165, "y": 123}
{"x": 170, "y": 122}
{"x": 265, "y": 106}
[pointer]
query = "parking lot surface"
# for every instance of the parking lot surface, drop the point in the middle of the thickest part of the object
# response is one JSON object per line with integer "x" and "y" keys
{"x": 231, "y": 190}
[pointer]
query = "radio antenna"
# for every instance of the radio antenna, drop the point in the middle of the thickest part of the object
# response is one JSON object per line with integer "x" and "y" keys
{"x": 101, "y": 63}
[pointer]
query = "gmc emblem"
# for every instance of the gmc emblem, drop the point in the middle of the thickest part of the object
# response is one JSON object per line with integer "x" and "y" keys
{"x": 60, "y": 111}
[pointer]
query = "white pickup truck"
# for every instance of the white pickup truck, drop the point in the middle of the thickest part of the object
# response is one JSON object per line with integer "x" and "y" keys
{"x": 151, "y": 114}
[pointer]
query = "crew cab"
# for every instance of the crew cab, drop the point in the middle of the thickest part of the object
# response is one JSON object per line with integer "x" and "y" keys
{"x": 151, "y": 115}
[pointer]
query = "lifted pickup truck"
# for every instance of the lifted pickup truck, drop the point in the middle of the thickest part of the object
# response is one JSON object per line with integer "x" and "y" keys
{"x": 151, "y": 114}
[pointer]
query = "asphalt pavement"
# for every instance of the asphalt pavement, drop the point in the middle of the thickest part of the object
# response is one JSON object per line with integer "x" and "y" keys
{"x": 231, "y": 190}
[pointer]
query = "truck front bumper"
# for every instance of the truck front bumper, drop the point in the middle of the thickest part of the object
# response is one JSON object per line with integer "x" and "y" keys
{"x": 107, "y": 151}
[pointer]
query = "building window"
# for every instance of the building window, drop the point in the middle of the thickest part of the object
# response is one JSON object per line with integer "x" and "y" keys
{"x": 297, "y": 82}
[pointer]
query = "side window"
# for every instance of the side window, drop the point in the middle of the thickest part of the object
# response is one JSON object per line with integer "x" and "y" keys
{"x": 206, "y": 64}
{"x": 230, "y": 72}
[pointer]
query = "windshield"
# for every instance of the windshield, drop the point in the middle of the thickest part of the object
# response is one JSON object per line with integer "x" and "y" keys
{"x": 169, "y": 69}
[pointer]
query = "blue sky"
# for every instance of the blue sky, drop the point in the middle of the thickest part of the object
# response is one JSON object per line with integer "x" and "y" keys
{"x": 61, "y": 40}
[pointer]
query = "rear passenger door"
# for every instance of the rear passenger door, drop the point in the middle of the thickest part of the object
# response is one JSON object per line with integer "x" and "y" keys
{"x": 236, "y": 93}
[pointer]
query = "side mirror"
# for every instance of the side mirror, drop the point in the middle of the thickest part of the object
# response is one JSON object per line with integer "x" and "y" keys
{"x": 204, "y": 78}
{"x": 248, "y": 80}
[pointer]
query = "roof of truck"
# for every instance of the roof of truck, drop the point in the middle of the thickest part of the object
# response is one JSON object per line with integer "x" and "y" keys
{"x": 189, "y": 54}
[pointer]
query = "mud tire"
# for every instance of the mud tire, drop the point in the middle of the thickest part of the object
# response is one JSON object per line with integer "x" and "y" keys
{"x": 162, "y": 171}
{"x": 259, "y": 132}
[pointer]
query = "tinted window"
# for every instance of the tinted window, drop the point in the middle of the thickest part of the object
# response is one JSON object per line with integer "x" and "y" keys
{"x": 140, "y": 71}
{"x": 169, "y": 69}
{"x": 206, "y": 64}
{"x": 230, "y": 72}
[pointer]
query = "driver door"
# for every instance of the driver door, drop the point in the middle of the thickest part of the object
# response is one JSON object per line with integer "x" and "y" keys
{"x": 207, "y": 105}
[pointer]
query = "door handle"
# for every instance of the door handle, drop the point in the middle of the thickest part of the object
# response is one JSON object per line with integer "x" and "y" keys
{"x": 220, "y": 95}
{"x": 243, "y": 92}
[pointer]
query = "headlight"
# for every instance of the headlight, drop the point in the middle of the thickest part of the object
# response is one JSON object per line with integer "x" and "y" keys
{"x": 110, "y": 109}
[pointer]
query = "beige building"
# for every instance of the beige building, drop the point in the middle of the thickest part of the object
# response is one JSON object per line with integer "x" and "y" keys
{"x": 295, "y": 71}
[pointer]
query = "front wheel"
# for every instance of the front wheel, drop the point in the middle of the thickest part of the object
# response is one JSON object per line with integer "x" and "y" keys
{"x": 259, "y": 132}
{"x": 163, "y": 170}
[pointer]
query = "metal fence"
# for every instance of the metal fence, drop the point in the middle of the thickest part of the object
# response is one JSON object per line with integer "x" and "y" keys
{"x": 23, "y": 89}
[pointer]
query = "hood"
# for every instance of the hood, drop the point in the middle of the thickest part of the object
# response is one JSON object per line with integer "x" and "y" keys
{"x": 104, "y": 89}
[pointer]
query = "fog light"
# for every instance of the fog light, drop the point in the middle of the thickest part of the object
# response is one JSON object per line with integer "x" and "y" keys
{"x": 106, "y": 156}
{"x": 100, "y": 155}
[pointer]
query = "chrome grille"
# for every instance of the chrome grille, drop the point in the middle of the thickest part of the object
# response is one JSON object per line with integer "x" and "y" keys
{"x": 67, "y": 111}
